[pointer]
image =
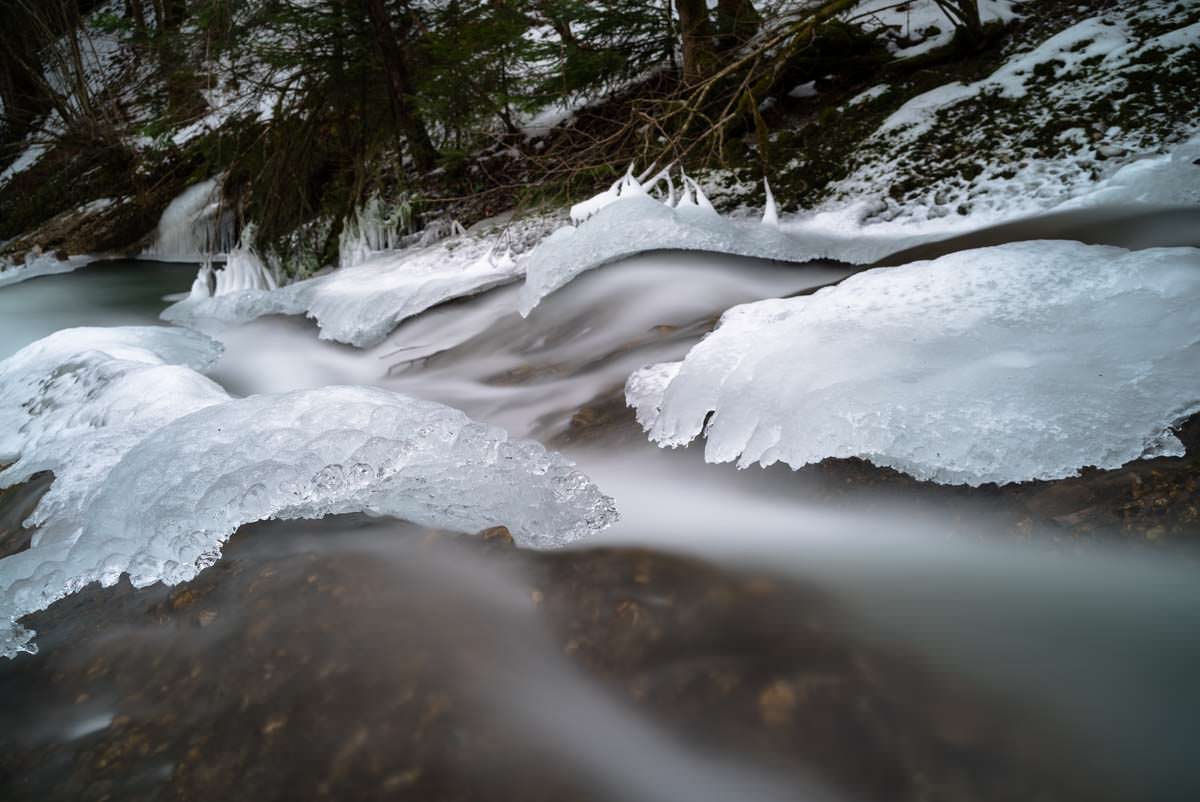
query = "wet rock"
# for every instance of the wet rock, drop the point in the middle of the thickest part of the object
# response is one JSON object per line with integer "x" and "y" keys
{"x": 16, "y": 504}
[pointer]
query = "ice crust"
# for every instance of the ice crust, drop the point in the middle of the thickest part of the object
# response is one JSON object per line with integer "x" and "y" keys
{"x": 637, "y": 223}
{"x": 360, "y": 305}
{"x": 1005, "y": 364}
{"x": 155, "y": 466}
{"x": 43, "y": 265}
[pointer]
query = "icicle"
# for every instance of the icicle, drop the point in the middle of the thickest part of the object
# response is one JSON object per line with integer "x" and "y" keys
{"x": 505, "y": 261}
{"x": 661, "y": 175}
{"x": 686, "y": 198}
{"x": 202, "y": 284}
{"x": 700, "y": 199}
{"x": 631, "y": 186}
{"x": 244, "y": 270}
{"x": 771, "y": 211}
{"x": 626, "y": 186}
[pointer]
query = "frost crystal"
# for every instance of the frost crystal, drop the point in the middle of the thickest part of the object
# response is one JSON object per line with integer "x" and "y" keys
{"x": 1006, "y": 364}
{"x": 155, "y": 467}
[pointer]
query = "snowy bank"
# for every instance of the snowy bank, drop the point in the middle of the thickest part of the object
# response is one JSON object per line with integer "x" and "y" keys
{"x": 155, "y": 466}
{"x": 1005, "y": 364}
{"x": 1067, "y": 111}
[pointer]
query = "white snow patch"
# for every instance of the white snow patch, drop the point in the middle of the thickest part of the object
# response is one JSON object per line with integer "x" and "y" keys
{"x": 916, "y": 27}
{"x": 27, "y": 159}
{"x": 804, "y": 90}
{"x": 1005, "y": 364}
{"x": 1008, "y": 176}
{"x": 868, "y": 95}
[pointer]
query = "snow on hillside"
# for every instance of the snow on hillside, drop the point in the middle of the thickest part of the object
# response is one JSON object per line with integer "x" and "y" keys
{"x": 1062, "y": 115}
{"x": 1005, "y": 364}
{"x": 916, "y": 27}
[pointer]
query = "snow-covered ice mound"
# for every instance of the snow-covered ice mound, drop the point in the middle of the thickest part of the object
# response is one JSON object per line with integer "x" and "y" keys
{"x": 1005, "y": 364}
{"x": 155, "y": 466}
{"x": 360, "y": 305}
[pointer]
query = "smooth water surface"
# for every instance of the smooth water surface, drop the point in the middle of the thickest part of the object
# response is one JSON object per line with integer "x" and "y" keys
{"x": 110, "y": 293}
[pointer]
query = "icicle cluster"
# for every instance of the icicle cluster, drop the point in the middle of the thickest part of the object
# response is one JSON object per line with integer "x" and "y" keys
{"x": 626, "y": 219}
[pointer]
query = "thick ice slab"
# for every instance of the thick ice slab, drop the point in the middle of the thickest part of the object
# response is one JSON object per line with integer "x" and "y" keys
{"x": 1023, "y": 361}
{"x": 155, "y": 466}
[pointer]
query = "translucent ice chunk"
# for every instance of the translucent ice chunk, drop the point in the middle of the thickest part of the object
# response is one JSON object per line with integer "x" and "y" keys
{"x": 76, "y": 401}
{"x": 1023, "y": 361}
{"x": 144, "y": 489}
{"x": 645, "y": 388}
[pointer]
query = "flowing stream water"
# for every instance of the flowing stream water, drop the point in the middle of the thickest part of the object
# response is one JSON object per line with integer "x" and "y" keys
{"x": 1102, "y": 643}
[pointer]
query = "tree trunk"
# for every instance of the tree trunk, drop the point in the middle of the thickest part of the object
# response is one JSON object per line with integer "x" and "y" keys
{"x": 135, "y": 12}
{"x": 174, "y": 12}
{"x": 20, "y": 70}
{"x": 737, "y": 21}
{"x": 964, "y": 14}
{"x": 419, "y": 144}
{"x": 696, "y": 34}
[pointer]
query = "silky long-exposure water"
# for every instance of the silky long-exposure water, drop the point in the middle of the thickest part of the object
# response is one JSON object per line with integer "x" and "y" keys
{"x": 762, "y": 634}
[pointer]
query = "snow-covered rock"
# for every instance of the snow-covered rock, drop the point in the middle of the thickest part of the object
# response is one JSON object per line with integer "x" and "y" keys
{"x": 1018, "y": 362}
{"x": 155, "y": 466}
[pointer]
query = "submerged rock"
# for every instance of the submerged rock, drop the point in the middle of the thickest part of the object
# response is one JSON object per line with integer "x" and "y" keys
{"x": 342, "y": 660}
